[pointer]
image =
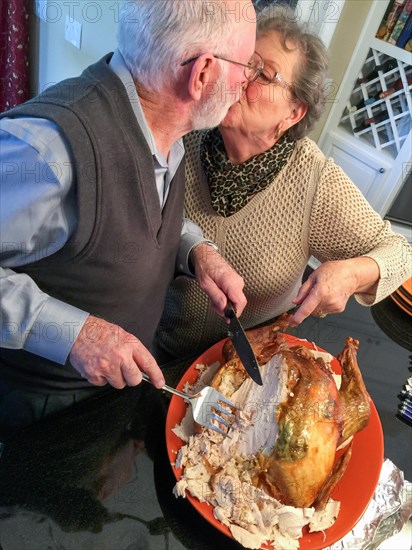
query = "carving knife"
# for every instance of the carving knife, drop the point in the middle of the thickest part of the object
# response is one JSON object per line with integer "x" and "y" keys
{"x": 242, "y": 345}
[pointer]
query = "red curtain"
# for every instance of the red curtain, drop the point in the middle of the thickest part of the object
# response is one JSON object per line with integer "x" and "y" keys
{"x": 14, "y": 53}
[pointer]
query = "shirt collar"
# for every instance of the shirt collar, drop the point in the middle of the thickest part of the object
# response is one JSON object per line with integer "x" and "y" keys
{"x": 119, "y": 67}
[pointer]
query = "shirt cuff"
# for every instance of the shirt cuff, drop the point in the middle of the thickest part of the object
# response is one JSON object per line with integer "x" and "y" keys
{"x": 187, "y": 242}
{"x": 55, "y": 330}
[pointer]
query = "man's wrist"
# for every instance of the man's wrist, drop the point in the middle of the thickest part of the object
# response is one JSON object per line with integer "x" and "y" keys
{"x": 206, "y": 242}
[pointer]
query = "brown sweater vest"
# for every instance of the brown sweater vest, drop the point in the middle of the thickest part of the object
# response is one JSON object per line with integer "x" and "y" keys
{"x": 121, "y": 258}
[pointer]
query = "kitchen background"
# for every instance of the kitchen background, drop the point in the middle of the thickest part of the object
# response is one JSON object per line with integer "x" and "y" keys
{"x": 66, "y": 36}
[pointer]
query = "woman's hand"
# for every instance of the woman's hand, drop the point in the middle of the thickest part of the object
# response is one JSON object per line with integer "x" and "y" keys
{"x": 105, "y": 353}
{"x": 218, "y": 279}
{"x": 329, "y": 287}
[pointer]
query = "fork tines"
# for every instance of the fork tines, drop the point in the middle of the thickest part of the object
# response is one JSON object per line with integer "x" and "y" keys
{"x": 227, "y": 401}
{"x": 218, "y": 430}
{"x": 216, "y": 407}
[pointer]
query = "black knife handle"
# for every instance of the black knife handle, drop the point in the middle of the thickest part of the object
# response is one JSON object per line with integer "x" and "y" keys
{"x": 230, "y": 312}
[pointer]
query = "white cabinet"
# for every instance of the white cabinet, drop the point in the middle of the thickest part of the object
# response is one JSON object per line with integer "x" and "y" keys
{"x": 367, "y": 170}
{"x": 368, "y": 131}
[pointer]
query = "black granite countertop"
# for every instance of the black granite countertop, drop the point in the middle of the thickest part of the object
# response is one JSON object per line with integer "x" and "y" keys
{"x": 96, "y": 476}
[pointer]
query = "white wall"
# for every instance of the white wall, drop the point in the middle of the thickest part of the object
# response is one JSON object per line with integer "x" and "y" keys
{"x": 57, "y": 58}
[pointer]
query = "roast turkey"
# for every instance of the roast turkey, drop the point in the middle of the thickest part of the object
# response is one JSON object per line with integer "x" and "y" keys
{"x": 313, "y": 420}
{"x": 289, "y": 446}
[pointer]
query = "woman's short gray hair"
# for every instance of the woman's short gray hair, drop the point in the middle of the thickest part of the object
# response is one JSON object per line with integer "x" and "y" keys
{"x": 310, "y": 75}
{"x": 155, "y": 36}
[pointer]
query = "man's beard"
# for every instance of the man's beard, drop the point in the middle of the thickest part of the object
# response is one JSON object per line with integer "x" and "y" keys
{"x": 213, "y": 110}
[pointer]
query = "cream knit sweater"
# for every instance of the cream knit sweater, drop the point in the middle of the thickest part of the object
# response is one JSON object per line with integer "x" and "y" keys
{"x": 310, "y": 208}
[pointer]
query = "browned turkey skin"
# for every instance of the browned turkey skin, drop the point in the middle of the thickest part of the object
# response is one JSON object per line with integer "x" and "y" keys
{"x": 313, "y": 421}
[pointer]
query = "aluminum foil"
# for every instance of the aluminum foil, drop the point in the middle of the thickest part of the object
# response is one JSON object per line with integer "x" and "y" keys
{"x": 387, "y": 513}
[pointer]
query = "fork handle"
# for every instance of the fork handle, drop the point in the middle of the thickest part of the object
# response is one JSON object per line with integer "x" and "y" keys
{"x": 167, "y": 388}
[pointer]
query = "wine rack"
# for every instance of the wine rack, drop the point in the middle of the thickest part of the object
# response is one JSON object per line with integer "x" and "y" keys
{"x": 379, "y": 108}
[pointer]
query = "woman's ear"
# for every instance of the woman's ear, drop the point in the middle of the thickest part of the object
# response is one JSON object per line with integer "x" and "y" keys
{"x": 297, "y": 112}
{"x": 201, "y": 75}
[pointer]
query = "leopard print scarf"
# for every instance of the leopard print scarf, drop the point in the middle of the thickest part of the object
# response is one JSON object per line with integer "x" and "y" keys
{"x": 233, "y": 185}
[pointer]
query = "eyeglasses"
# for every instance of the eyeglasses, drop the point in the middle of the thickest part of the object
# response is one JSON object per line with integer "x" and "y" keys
{"x": 276, "y": 79}
{"x": 252, "y": 70}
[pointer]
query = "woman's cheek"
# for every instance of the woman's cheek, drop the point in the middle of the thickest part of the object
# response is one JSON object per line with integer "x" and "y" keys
{"x": 254, "y": 93}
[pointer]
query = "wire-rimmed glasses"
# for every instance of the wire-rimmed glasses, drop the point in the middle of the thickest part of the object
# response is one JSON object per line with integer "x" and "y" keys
{"x": 252, "y": 69}
{"x": 275, "y": 79}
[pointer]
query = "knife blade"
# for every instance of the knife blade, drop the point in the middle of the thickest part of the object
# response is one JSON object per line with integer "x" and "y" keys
{"x": 242, "y": 345}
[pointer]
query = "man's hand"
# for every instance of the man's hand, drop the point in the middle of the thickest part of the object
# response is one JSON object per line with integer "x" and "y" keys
{"x": 105, "y": 353}
{"x": 218, "y": 279}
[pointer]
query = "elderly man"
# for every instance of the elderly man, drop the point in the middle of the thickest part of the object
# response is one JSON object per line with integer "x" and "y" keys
{"x": 92, "y": 197}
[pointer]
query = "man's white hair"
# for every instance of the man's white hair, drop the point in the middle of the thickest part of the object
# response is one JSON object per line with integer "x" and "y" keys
{"x": 155, "y": 36}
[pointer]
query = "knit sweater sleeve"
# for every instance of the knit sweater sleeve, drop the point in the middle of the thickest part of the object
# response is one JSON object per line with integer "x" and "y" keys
{"x": 344, "y": 225}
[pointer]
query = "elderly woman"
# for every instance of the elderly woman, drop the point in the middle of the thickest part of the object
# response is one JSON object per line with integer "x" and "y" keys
{"x": 269, "y": 198}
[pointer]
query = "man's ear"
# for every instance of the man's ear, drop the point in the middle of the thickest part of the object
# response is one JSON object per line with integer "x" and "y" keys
{"x": 201, "y": 75}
